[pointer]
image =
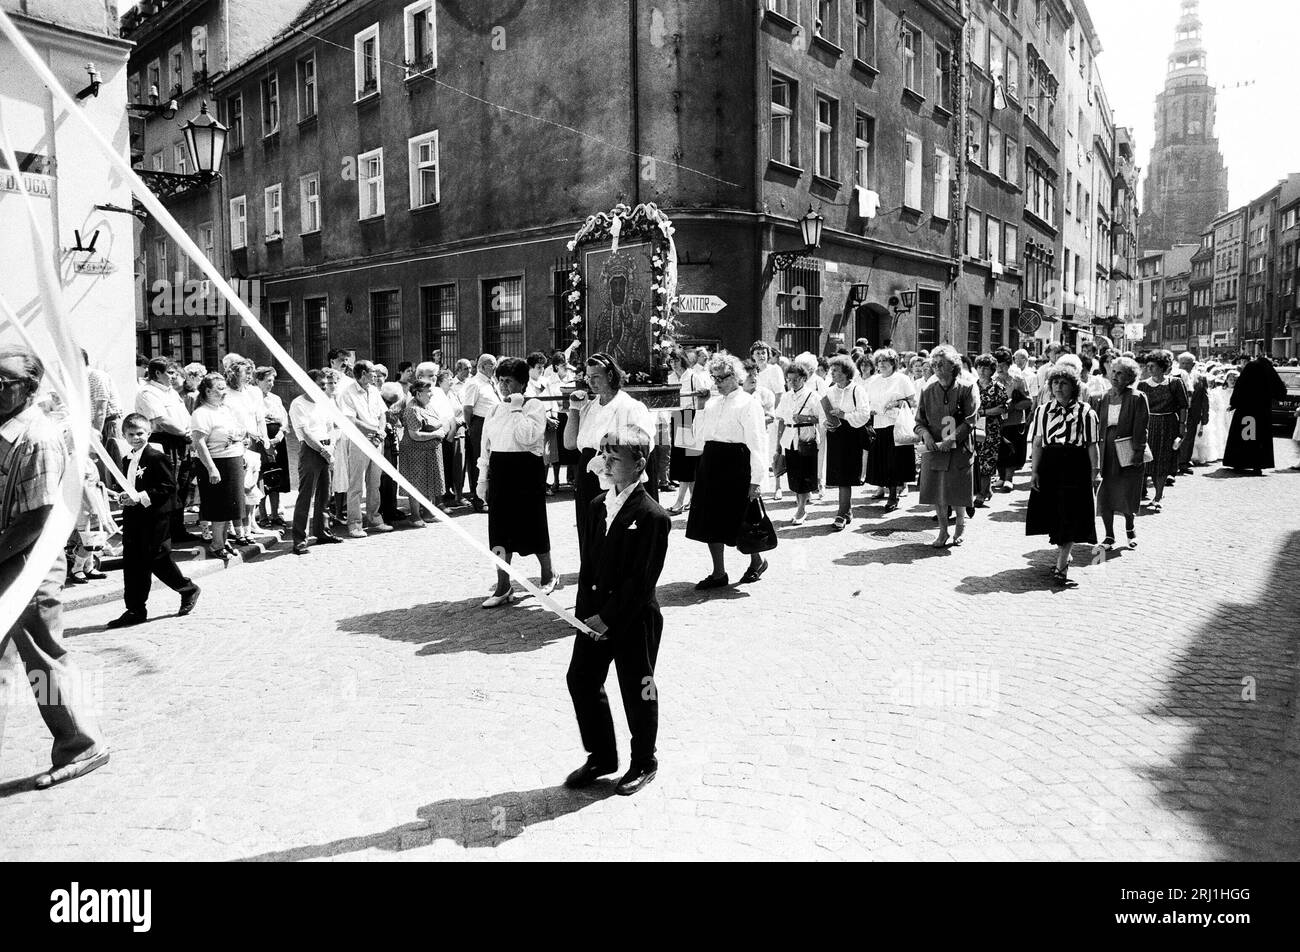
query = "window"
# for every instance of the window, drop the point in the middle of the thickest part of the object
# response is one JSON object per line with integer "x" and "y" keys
{"x": 238, "y": 222}
{"x": 828, "y": 20}
{"x": 783, "y": 121}
{"x": 421, "y": 36}
{"x": 235, "y": 123}
{"x": 160, "y": 259}
{"x": 271, "y": 198}
{"x": 1012, "y": 171}
{"x": 975, "y": 138}
{"x": 370, "y": 183}
{"x": 997, "y": 57}
{"x": 179, "y": 151}
{"x": 316, "y": 331}
{"x": 975, "y": 329}
{"x": 278, "y": 322}
{"x": 786, "y": 8}
{"x": 423, "y": 160}
{"x": 176, "y": 69}
{"x": 864, "y": 130}
{"x": 994, "y": 154}
{"x": 799, "y": 310}
{"x": 503, "y": 317}
{"x": 942, "y": 182}
{"x": 438, "y": 321}
{"x": 912, "y": 172}
{"x": 864, "y": 33}
{"x": 911, "y": 41}
{"x": 270, "y": 105}
{"x": 365, "y": 50}
{"x": 1013, "y": 75}
{"x": 993, "y": 230}
{"x": 1078, "y": 201}
{"x": 927, "y": 319}
{"x": 306, "y": 88}
{"x": 942, "y": 77}
{"x": 199, "y": 53}
{"x": 974, "y": 233}
{"x": 207, "y": 241}
{"x": 978, "y": 41}
{"x": 1010, "y": 245}
{"x": 309, "y": 203}
{"x": 1069, "y": 187}
{"x": 386, "y": 328}
{"x": 827, "y": 142}
{"x": 995, "y": 328}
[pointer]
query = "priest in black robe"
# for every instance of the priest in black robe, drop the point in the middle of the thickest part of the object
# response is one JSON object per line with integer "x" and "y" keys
{"x": 1250, "y": 434}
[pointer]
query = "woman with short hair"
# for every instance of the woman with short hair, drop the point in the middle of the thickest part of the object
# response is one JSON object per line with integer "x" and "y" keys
{"x": 1122, "y": 415}
{"x": 945, "y": 418}
{"x": 1012, "y": 449}
{"x": 888, "y": 465}
{"x": 275, "y": 455}
{"x": 539, "y": 385}
{"x": 694, "y": 387}
{"x": 799, "y": 418}
{"x": 218, "y": 437}
{"x": 1167, "y": 402}
{"x": 246, "y": 400}
{"x": 1065, "y": 454}
{"x": 734, "y": 439}
{"x": 512, "y": 478}
{"x": 848, "y": 415}
{"x": 420, "y": 458}
{"x": 994, "y": 404}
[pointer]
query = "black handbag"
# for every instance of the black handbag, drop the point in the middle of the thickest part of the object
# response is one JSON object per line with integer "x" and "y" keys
{"x": 756, "y": 531}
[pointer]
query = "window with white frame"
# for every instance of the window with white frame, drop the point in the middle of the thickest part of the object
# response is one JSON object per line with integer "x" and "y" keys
{"x": 235, "y": 123}
{"x": 199, "y": 52}
{"x": 176, "y": 69}
{"x": 942, "y": 77}
{"x": 420, "y": 25}
{"x": 997, "y": 57}
{"x": 238, "y": 222}
{"x": 1012, "y": 84}
{"x": 827, "y": 141}
{"x": 864, "y": 39}
{"x": 273, "y": 204}
{"x": 912, "y": 172}
{"x": 978, "y": 41}
{"x": 787, "y": 8}
{"x": 365, "y": 48}
{"x": 783, "y": 120}
{"x": 1010, "y": 245}
{"x": 911, "y": 43}
{"x": 155, "y": 81}
{"x": 994, "y": 229}
{"x": 158, "y": 161}
{"x": 270, "y": 105}
{"x": 370, "y": 183}
{"x": 828, "y": 20}
{"x": 994, "y": 151}
{"x": 864, "y": 131}
{"x": 178, "y": 157}
{"x": 422, "y": 157}
{"x": 309, "y": 202}
{"x": 1012, "y": 164}
{"x": 160, "y": 259}
{"x": 974, "y": 232}
{"x": 942, "y": 182}
{"x": 306, "y": 87}
{"x": 207, "y": 241}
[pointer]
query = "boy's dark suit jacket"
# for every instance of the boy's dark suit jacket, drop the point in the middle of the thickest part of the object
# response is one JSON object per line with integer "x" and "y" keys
{"x": 620, "y": 571}
{"x": 155, "y": 478}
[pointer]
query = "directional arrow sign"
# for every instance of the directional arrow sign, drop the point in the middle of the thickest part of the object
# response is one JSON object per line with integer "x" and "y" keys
{"x": 700, "y": 303}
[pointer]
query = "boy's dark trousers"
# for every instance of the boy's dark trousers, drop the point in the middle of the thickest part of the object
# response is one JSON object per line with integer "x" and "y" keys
{"x": 146, "y": 552}
{"x": 633, "y": 654}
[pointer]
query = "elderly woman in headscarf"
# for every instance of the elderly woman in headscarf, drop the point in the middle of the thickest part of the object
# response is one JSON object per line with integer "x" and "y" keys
{"x": 945, "y": 420}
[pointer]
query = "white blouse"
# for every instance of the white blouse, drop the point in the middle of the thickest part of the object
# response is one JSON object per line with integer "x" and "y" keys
{"x": 545, "y": 388}
{"x": 695, "y": 378}
{"x": 509, "y": 430}
{"x": 773, "y": 378}
{"x": 803, "y": 402}
{"x": 736, "y": 418}
{"x": 882, "y": 389}
{"x": 622, "y": 411}
{"x": 853, "y": 400}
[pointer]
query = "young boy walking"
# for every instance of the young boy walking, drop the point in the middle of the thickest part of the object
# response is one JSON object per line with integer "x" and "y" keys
{"x": 147, "y": 502}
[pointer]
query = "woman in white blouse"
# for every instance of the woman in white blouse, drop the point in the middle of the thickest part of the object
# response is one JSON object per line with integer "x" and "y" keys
{"x": 799, "y": 418}
{"x": 595, "y": 411}
{"x": 695, "y": 387}
{"x": 512, "y": 478}
{"x": 889, "y": 466}
{"x": 539, "y": 385}
{"x": 731, "y": 431}
{"x": 848, "y": 413}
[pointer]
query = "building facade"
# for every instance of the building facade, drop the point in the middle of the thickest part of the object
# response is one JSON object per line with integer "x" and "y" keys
{"x": 1229, "y": 232}
{"x": 1200, "y": 289}
{"x": 1187, "y": 185}
{"x": 73, "y": 189}
{"x": 1288, "y": 270}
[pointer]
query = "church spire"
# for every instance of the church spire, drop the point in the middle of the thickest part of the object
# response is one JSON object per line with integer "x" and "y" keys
{"x": 1188, "y": 60}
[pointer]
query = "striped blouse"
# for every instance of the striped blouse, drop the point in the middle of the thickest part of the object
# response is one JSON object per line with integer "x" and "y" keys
{"x": 1075, "y": 425}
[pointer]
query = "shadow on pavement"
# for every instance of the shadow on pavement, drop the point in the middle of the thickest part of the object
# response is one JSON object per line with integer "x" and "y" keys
{"x": 903, "y": 554}
{"x": 676, "y": 594}
{"x": 1238, "y": 772}
{"x": 471, "y": 824}
{"x": 894, "y": 526}
{"x": 11, "y": 788}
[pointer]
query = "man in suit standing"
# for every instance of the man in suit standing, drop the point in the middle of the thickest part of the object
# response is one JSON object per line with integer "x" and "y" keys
{"x": 627, "y": 542}
{"x": 148, "y": 500}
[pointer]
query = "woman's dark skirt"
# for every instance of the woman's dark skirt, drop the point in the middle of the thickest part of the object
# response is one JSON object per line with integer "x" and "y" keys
{"x": 586, "y": 487}
{"x": 517, "y": 503}
{"x": 223, "y": 502}
{"x": 275, "y": 463}
{"x": 1162, "y": 430}
{"x": 721, "y": 493}
{"x": 1062, "y": 508}
{"x": 567, "y": 457}
{"x": 681, "y": 467}
{"x": 800, "y": 472}
{"x": 887, "y": 464}
{"x": 1012, "y": 451}
{"x": 844, "y": 456}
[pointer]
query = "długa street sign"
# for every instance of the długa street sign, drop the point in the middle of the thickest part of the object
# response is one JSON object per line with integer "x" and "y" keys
{"x": 700, "y": 304}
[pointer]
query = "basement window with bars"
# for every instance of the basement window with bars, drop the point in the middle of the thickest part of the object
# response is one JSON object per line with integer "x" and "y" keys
{"x": 386, "y": 328}
{"x": 438, "y": 319}
{"x": 927, "y": 319}
{"x": 503, "y": 317}
{"x": 316, "y": 328}
{"x": 799, "y": 310}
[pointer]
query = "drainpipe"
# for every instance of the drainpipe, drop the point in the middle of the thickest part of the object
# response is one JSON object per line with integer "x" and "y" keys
{"x": 634, "y": 98}
{"x": 762, "y": 226}
{"x": 960, "y": 56}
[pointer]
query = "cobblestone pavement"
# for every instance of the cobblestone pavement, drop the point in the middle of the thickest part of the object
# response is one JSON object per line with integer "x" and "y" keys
{"x": 870, "y": 698}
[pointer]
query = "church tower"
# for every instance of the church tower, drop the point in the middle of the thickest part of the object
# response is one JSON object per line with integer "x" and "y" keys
{"x": 1186, "y": 186}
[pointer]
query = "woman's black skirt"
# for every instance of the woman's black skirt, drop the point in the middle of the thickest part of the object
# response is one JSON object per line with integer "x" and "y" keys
{"x": 517, "y": 503}
{"x": 567, "y": 457}
{"x": 275, "y": 462}
{"x": 681, "y": 467}
{"x": 224, "y": 501}
{"x": 844, "y": 456}
{"x": 1062, "y": 508}
{"x": 800, "y": 472}
{"x": 1012, "y": 451}
{"x": 721, "y": 493}
{"x": 586, "y": 487}
{"x": 887, "y": 464}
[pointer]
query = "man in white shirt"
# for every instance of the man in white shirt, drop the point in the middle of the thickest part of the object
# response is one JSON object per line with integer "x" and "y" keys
{"x": 316, "y": 433}
{"x": 158, "y": 401}
{"x": 341, "y": 361}
{"x": 363, "y": 405}
{"x": 480, "y": 398}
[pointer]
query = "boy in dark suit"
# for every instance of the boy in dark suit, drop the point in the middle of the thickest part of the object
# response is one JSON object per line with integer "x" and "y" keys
{"x": 623, "y": 554}
{"x": 147, "y": 502}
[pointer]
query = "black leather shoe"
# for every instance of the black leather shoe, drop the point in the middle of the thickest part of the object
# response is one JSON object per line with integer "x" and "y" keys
{"x": 328, "y": 538}
{"x": 126, "y": 619}
{"x": 754, "y": 574}
{"x": 189, "y": 598}
{"x": 635, "y": 779}
{"x": 713, "y": 581}
{"x": 479, "y": 505}
{"x": 589, "y": 773}
{"x": 301, "y": 549}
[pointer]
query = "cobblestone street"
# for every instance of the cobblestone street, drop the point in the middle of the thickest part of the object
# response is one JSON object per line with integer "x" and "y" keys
{"x": 870, "y": 698}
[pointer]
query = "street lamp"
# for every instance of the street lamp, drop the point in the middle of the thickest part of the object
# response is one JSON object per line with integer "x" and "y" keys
{"x": 810, "y": 226}
{"x": 205, "y": 140}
